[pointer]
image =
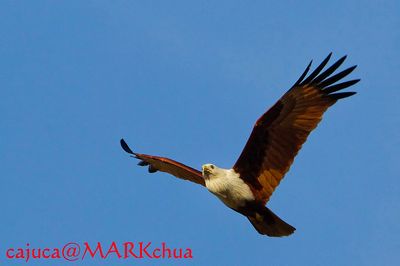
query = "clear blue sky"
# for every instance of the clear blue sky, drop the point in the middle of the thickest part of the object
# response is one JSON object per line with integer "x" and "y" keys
{"x": 187, "y": 80}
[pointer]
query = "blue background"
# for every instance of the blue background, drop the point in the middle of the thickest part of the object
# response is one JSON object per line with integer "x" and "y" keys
{"x": 187, "y": 80}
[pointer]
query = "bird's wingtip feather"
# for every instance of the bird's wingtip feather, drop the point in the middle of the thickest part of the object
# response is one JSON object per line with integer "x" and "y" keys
{"x": 125, "y": 147}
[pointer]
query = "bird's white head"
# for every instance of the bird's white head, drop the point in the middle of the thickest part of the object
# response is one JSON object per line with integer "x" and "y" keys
{"x": 211, "y": 171}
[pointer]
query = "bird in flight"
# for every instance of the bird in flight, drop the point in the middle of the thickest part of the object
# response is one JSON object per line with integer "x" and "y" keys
{"x": 275, "y": 140}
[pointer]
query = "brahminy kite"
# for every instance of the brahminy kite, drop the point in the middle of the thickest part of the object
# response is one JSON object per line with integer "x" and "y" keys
{"x": 276, "y": 138}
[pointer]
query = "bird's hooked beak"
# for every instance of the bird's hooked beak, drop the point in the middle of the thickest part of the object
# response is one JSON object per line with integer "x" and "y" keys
{"x": 206, "y": 169}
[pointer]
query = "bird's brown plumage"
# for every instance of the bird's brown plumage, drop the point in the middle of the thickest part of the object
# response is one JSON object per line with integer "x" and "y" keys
{"x": 163, "y": 164}
{"x": 279, "y": 133}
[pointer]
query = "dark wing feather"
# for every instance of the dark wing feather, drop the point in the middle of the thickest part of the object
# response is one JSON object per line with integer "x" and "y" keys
{"x": 279, "y": 133}
{"x": 163, "y": 164}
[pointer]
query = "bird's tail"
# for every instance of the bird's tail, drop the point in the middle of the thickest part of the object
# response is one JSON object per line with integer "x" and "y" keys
{"x": 268, "y": 223}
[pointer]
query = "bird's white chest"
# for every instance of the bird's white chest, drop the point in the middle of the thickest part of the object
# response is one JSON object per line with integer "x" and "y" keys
{"x": 230, "y": 189}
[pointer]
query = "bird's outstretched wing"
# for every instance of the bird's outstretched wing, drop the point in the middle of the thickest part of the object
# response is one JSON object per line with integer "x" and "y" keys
{"x": 279, "y": 133}
{"x": 162, "y": 164}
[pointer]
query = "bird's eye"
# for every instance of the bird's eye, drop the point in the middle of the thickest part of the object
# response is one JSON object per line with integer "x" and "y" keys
{"x": 212, "y": 166}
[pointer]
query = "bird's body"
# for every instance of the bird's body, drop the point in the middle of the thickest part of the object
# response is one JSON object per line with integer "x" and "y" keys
{"x": 227, "y": 185}
{"x": 277, "y": 137}
{"x": 230, "y": 188}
